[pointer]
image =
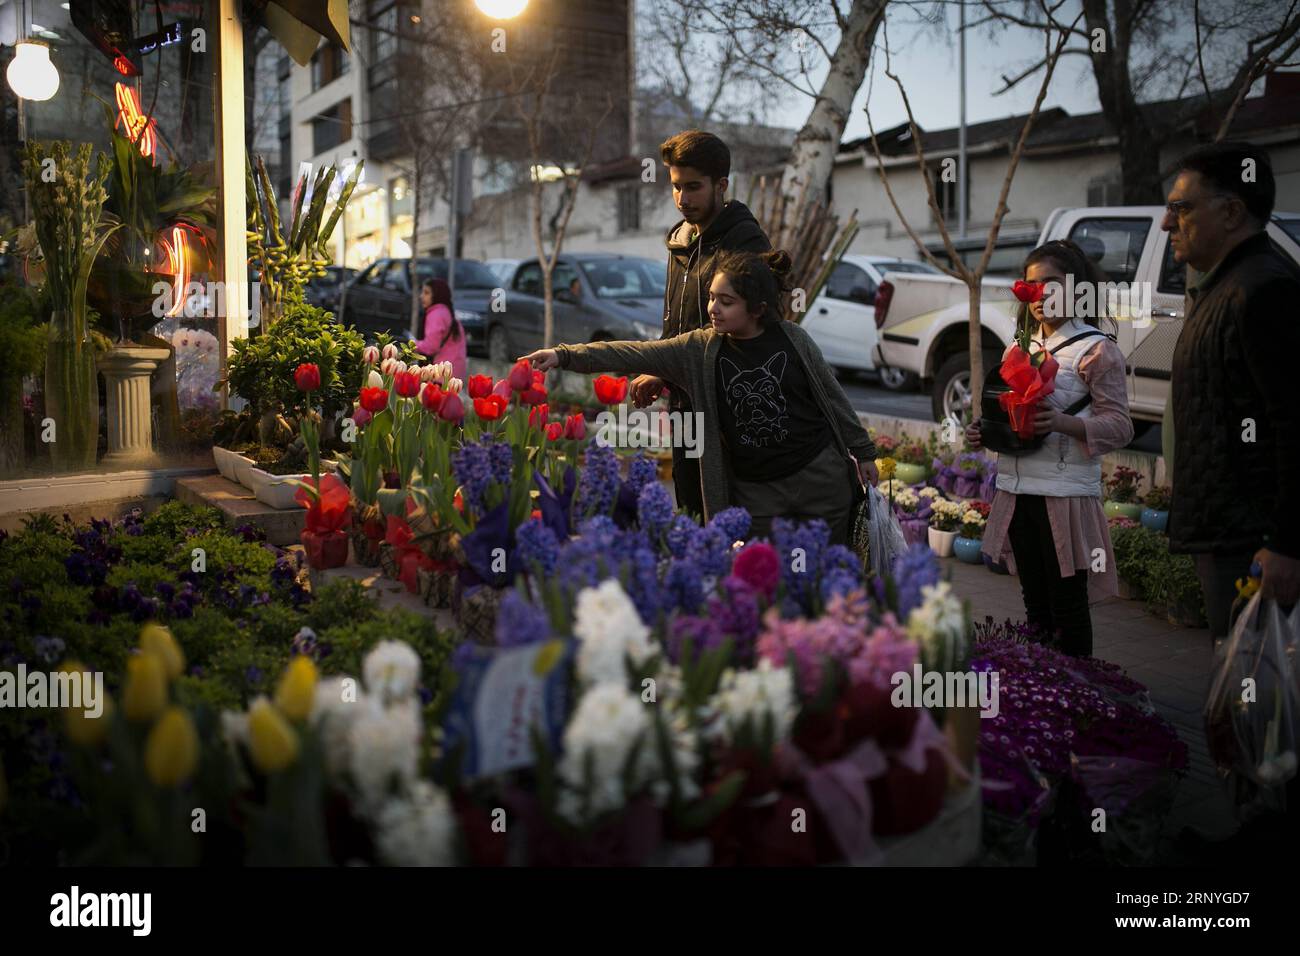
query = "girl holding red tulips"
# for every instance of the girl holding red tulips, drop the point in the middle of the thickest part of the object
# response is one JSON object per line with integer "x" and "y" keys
{"x": 780, "y": 436}
{"x": 1047, "y": 520}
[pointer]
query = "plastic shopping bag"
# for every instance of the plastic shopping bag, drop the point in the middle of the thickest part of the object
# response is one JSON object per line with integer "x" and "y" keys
{"x": 884, "y": 535}
{"x": 1254, "y": 702}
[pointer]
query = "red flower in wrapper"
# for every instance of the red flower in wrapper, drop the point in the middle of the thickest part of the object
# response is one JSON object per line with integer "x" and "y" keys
{"x": 1029, "y": 384}
{"x": 374, "y": 400}
{"x": 452, "y": 410}
{"x": 521, "y": 376}
{"x": 538, "y": 416}
{"x": 490, "y": 408}
{"x": 407, "y": 384}
{"x": 575, "y": 427}
{"x": 1027, "y": 291}
{"x": 610, "y": 390}
{"x": 554, "y": 431}
{"x": 432, "y": 397}
{"x": 480, "y": 386}
{"x": 307, "y": 377}
{"x": 328, "y": 513}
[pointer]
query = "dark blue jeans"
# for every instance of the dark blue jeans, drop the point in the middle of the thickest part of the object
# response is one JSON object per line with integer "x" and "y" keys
{"x": 1058, "y": 605}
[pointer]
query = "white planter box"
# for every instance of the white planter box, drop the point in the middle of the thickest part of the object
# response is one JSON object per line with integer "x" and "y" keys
{"x": 277, "y": 491}
{"x": 229, "y": 463}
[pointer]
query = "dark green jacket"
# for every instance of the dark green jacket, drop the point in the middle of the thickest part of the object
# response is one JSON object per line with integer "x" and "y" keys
{"x": 689, "y": 362}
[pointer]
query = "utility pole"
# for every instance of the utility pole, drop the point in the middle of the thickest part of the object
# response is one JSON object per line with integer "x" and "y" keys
{"x": 961, "y": 133}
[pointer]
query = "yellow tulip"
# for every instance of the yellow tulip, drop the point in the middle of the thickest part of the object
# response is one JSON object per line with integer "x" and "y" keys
{"x": 82, "y": 730}
{"x": 297, "y": 689}
{"x": 145, "y": 695}
{"x": 157, "y": 640}
{"x": 172, "y": 750}
{"x": 271, "y": 741}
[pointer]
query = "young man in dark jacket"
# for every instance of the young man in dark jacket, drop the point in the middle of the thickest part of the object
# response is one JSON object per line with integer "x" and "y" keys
{"x": 698, "y": 166}
{"x": 1236, "y": 469}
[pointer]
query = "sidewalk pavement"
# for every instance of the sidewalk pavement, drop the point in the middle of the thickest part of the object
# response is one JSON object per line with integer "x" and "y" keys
{"x": 1173, "y": 662}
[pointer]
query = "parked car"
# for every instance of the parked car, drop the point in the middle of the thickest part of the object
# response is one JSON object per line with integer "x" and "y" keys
{"x": 323, "y": 292}
{"x": 503, "y": 269}
{"x": 379, "y": 299}
{"x": 596, "y": 296}
{"x": 842, "y": 319}
{"x": 924, "y": 320}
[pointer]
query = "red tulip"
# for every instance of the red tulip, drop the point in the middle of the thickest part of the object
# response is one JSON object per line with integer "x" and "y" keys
{"x": 533, "y": 396}
{"x": 503, "y": 389}
{"x": 407, "y": 384}
{"x": 536, "y": 515}
{"x": 360, "y": 417}
{"x": 458, "y": 501}
{"x": 490, "y": 408}
{"x": 307, "y": 377}
{"x": 554, "y": 431}
{"x": 538, "y": 416}
{"x": 575, "y": 427}
{"x": 480, "y": 386}
{"x": 432, "y": 397}
{"x": 521, "y": 375}
{"x": 610, "y": 390}
{"x": 374, "y": 400}
{"x": 1027, "y": 291}
{"x": 452, "y": 410}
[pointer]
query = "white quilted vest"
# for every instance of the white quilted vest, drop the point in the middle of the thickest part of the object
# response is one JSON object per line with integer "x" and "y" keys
{"x": 1061, "y": 467}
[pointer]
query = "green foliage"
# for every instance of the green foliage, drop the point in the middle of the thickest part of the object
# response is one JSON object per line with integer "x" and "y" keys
{"x": 22, "y": 335}
{"x": 174, "y": 520}
{"x": 1163, "y": 580}
{"x": 250, "y": 563}
{"x": 261, "y": 369}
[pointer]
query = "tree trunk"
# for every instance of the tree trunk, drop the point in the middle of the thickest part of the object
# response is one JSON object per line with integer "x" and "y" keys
{"x": 813, "y": 153}
{"x": 416, "y": 188}
{"x": 1139, "y": 164}
{"x": 976, "y": 349}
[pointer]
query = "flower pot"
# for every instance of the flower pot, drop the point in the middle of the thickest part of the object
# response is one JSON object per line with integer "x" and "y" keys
{"x": 1129, "y": 591}
{"x": 275, "y": 491}
{"x": 997, "y": 567}
{"x": 476, "y": 609}
{"x": 325, "y": 551}
{"x": 1184, "y": 613}
{"x": 968, "y": 549}
{"x": 366, "y": 540}
{"x": 71, "y": 393}
{"x": 909, "y": 474}
{"x": 915, "y": 530}
{"x": 941, "y": 542}
{"x": 127, "y": 373}
{"x": 437, "y": 587}
{"x": 228, "y": 462}
{"x": 1123, "y": 509}
{"x": 1155, "y": 520}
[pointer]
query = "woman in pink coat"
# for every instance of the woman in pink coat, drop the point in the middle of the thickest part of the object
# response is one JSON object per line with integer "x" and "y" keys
{"x": 444, "y": 339}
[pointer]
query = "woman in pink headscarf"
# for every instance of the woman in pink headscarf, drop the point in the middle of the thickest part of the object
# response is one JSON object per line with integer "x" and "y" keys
{"x": 444, "y": 339}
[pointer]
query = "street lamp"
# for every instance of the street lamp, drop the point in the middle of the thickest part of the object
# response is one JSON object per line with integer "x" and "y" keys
{"x": 501, "y": 9}
{"x": 31, "y": 74}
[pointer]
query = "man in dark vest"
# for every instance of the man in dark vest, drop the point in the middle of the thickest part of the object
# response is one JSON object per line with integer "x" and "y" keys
{"x": 698, "y": 166}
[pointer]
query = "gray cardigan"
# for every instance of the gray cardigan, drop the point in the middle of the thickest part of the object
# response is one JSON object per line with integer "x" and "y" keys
{"x": 688, "y": 361}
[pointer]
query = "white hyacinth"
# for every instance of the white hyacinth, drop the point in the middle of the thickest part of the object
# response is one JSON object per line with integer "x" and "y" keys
{"x": 392, "y": 670}
{"x": 607, "y": 624}
{"x": 605, "y": 726}
{"x": 753, "y": 694}
{"x": 938, "y": 625}
{"x": 383, "y": 749}
{"x": 334, "y": 707}
{"x": 417, "y": 829}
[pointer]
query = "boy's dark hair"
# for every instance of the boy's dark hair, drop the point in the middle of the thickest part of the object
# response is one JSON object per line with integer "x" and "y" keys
{"x": 699, "y": 150}
{"x": 1069, "y": 255}
{"x": 1222, "y": 166}
{"x": 760, "y": 278}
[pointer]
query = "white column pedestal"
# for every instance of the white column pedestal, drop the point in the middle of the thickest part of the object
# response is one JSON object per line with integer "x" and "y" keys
{"x": 130, "y": 425}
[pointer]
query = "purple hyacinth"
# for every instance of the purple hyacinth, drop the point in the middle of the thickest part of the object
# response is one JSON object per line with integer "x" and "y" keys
{"x": 711, "y": 550}
{"x": 473, "y": 470}
{"x": 654, "y": 510}
{"x": 539, "y": 548}
{"x": 734, "y": 523}
{"x": 520, "y": 622}
{"x": 913, "y": 569}
{"x": 599, "y": 483}
{"x": 642, "y": 472}
{"x": 680, "y": 535}
{"x": 502, "y": 461}
{"x": 683, "y": 585}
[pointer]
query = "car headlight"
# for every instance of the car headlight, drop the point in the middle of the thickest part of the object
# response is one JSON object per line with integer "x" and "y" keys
{"x": 647, "y": 331}
{"x": 464, "y": 316}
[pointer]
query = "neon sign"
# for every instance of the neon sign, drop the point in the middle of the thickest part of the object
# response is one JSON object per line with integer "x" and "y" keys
{"x": 134, "y": 122}
{"x": 178, "y": 264}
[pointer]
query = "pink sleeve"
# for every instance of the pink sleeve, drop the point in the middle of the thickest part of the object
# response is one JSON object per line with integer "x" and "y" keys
{"x": 1109, "y": 426}
{"x": 436, "y": 322}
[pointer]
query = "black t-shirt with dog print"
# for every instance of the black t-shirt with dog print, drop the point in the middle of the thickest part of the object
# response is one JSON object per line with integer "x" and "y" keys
{"x": 771, "y": 425}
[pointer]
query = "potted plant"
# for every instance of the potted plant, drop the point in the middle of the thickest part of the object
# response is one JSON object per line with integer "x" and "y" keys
{"x": 1174, "y": 588}
{"x": 913, "y": 463}
{"x": 1156, "y": 513}
{"x": 908, "y": 507}
{"x": 22, "y": 343}
{"x": 70, "y": 229}
{"x": 1122, "y": 493}
{"x": 971, "y": 539}
{"x": 945, "y": 520}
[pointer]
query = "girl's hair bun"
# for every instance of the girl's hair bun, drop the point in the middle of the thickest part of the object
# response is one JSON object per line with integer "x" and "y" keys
{"x": 778, "y": 260}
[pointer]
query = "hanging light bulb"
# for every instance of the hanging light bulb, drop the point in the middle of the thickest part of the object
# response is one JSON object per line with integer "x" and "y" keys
{"x": 31, "y": 74}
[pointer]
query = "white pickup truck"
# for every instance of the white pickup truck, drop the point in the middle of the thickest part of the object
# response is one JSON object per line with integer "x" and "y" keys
{"x": 923, "y": 320}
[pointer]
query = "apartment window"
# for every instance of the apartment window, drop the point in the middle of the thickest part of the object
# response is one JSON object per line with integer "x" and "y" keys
{"x": 328, "y": 64}
{"x": 629, "y": 209}
{"x": 332, "y": 127}
{"x": 383, "y": 35}
{"x": 945, "y": 193}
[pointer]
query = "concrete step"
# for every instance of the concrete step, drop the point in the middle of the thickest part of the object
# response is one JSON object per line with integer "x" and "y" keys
{"x": 240, "y": 506}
